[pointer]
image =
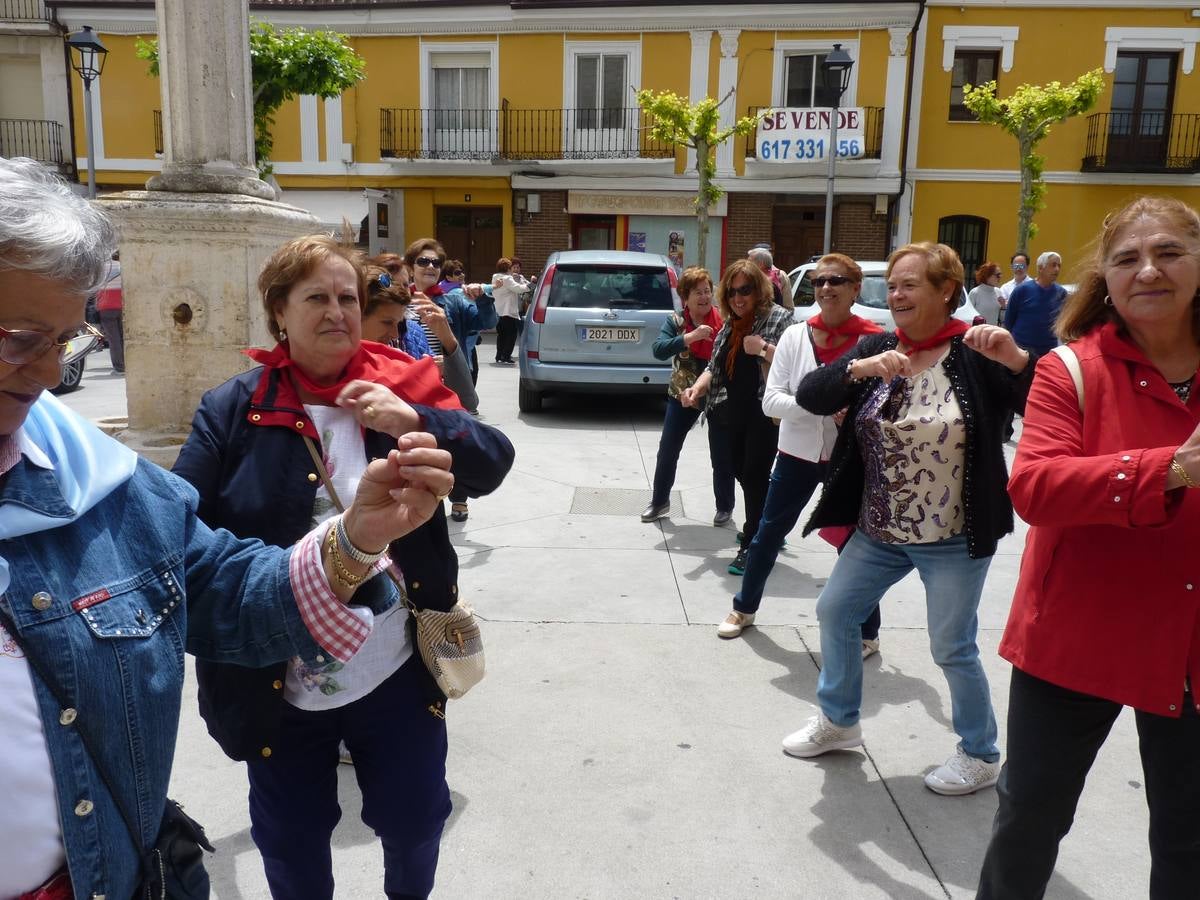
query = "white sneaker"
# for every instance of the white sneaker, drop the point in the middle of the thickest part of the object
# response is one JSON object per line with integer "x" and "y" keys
{"x": 820, "y": 736}
{"x": 870, "y": 647}
{"x": 735, "y": 623}
{"x": 962, "y": 774}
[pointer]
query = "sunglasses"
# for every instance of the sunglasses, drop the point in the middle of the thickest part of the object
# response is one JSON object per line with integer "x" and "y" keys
{"x": 835, "y": 280}
{"x": 428, "y": 262}
{"x": 382, "y": 280}
{"x": 19, "y": 348}
{"x": 746, "y": 290}
{"x": 1018, "y": 266}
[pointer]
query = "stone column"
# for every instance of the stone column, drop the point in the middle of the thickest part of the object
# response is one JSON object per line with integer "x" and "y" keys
{"x": 207, "y": 99}
{"x": 727, "y": 88}
{"x": 192, "y": 245}
{"x": 893, "y": 104}
{"x": 698, "y": 79}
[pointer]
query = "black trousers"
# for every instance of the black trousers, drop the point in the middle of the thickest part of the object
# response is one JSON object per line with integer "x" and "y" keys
{"x": 1053, "y": 737}
{"x": 507, "y": 329}
{"x": 754, "y": 439}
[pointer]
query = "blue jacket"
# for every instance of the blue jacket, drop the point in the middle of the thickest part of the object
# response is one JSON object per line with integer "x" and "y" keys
{"x": 256, "y": 478}
{"x": 468, "y": 317}
{"x": 158, "y": 582}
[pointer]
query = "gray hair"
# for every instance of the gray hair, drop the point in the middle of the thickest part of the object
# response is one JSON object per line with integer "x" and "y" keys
{"x": 47, "y": 230}
{"x": 762, "y": 256}
{"x": 1046, "y": 257}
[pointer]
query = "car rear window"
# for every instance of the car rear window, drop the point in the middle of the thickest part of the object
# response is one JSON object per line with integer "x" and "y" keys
{"x": 873, "y": 294}
{"x": 610, "y": 287}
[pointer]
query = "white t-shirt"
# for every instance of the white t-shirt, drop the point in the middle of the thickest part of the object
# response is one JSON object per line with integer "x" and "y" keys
{"x": 801, "y": 434}
{"x": 326, "y": 683}
{"x": 1009, "y": 286}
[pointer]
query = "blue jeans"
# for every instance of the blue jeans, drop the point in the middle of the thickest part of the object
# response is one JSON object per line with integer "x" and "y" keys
{"x": 399, "y": 751}
{"x": 678, "y": 421}
{"x": 793, "y": 481}
{"x": 953, "y": 585}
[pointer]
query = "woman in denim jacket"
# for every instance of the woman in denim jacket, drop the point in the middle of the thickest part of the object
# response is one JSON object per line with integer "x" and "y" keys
{"x": 108, "y": 577}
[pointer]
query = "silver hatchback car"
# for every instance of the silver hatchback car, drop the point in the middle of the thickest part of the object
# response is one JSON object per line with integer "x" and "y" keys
{"x": 594, "y": 317}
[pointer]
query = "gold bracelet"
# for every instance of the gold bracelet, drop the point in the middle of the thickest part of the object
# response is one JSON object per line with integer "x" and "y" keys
{"x": 1188, "y": 480}
{"x": 341, "y": 574}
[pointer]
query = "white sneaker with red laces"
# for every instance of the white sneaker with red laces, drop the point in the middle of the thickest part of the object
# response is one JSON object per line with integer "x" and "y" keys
{"x": 962, "y": 774}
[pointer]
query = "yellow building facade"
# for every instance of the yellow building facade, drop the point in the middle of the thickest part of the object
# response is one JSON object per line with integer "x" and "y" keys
{"x": 516, "y": 132}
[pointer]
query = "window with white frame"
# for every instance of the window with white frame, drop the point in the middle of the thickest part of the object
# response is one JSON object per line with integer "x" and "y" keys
{"x": 601, "y": 118}
{"x": 461, "y": 90}
{"x": 459, "y": 100}
{"x": 600, "y": 85}
{"x": 799, "y": 80}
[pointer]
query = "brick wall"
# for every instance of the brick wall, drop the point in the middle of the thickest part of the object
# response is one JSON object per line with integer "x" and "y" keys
{"x": 857, "y": 231}
{"x": 542, "y": 233}
{"x": 750, "y": 220}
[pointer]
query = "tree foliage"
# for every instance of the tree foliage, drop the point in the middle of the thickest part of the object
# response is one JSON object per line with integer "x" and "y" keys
{"x": 1027, "y": 115}
{"x": 285, "y": 63}
{"x": 695, "y": 126}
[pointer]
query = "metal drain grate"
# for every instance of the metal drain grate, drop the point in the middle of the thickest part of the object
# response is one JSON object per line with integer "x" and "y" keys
{"x": 616, "y": 502}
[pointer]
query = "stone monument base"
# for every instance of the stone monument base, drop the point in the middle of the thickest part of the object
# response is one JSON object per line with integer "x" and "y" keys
{"x": 189, "y": 266}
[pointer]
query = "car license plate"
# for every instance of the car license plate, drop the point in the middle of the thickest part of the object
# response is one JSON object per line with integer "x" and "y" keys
{"x": 610, "y": 335}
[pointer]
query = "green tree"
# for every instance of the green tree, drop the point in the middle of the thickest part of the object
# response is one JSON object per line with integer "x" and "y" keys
{"x": 285, "y": 63}
{"x": 1027, "y": 115}
{"x": 695, "y": 126}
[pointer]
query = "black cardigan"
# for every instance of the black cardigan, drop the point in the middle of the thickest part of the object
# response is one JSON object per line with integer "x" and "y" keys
{"x": 986, "y": 392}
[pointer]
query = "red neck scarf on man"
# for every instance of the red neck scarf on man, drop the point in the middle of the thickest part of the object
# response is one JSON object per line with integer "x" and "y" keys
{"x": 414, "y": 381}
{"x": 703, "y": 349}
{"x": 951, "y": 329}
{"x": 853, "y": 327}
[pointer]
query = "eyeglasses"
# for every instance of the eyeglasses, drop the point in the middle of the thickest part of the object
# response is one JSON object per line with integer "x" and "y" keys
{"x": 19, "y": 348}
{"x": 835, "y": 280}
{"x": 1017, "y": 267}
{"x": 428, "y": 262}
{"x": 746, "y": 290}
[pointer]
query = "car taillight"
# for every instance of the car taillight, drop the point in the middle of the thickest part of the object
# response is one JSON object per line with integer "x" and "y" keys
{"x": 532, "y": 354}
{"x": 543, "y": 295}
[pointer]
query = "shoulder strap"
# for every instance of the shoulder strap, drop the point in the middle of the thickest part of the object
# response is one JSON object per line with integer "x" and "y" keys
{"x": 56, "y": 689}
{"x": 1071, "y": 361}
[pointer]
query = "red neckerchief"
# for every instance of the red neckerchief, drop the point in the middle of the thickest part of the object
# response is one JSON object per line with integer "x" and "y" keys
{"x": 853, "y": 327}
{"x": 414, "y": 381}
{"x": 703, "y": 349}
{"x": 951, "y": 329}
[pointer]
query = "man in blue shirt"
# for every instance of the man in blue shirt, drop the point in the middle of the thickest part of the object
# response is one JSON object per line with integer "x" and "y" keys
{"x": 1034, "y": 305}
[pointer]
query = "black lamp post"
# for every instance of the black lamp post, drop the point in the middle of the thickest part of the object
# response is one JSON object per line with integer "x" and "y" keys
{"x": 87, "y": 59}
{"x": 835, "y": 69}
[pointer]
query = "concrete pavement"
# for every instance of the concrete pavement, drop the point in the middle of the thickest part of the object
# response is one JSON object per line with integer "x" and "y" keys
{"x": 619, "y": 749}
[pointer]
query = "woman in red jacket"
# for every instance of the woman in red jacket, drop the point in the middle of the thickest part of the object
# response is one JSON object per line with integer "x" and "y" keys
{"x": 1106, "y": 474}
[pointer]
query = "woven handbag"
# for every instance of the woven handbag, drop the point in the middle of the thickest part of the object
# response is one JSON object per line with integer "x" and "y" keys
{"x": 450, "y": 642}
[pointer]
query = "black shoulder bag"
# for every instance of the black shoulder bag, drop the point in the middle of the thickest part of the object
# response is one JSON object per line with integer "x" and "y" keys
{"x": 173, "y": 868}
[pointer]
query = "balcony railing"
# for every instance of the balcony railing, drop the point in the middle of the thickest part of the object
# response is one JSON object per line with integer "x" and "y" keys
{"x": 1143, "y": 142}
{"x": 872, "y": 133}
{"x": 35, "y": 138}
{"x": 518, "y": 134}
{"x": 158, "y": 133}
{"x": 23, "y": 11}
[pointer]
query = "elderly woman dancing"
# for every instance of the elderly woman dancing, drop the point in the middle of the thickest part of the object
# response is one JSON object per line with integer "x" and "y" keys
{"x": 919, "y": 468}
{"x": 1108, "y": 477}
{"x": 109, "y": 577}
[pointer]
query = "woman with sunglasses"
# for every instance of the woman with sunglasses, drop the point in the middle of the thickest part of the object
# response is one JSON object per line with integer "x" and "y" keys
{"x": 452, "y": 276}
{"x": 109, "y": 577}
{"x": 734, "y": 382}
{"x": 805, "y": 440}
{"x": 918, "y": 468}
{"x": 455, "y": 317}
{"x": 321, "y": 390}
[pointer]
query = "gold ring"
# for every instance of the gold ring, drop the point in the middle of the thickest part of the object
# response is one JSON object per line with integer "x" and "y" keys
{"x": 441, "y": 497}
{"x": 369, "y": 410}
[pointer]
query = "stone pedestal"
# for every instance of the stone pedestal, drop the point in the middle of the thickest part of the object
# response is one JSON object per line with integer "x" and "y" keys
{"x": 190, "y": 263}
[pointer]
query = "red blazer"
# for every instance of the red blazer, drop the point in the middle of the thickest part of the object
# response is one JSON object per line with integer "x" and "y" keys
{"x": 1108, "y": 599}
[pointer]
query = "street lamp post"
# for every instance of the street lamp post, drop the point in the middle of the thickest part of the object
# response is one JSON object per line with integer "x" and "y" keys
{"x": 835, "y": 69}
{"x": 88, "y": 60}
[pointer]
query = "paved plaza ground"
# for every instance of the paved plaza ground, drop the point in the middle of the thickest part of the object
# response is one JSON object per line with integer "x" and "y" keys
{"x": 619, "y": 749}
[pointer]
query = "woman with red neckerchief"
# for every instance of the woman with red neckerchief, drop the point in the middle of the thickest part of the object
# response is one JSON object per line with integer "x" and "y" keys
{"x": 248, "y": 459}
{"x": 918, "y": 469}
{"x": 805, "y": 440}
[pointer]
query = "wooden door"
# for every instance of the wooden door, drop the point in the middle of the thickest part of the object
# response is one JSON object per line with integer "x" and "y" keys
{"x": 797, "y": 234}
{"x": 473, "y": 234}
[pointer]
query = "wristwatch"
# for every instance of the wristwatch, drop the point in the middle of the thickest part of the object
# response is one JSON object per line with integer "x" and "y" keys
{"x": 763, "y": 351}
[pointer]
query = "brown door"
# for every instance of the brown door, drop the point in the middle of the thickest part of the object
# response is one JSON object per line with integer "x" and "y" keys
{"x": 593, "y": 233}
{"x": 473, "y": 234}
{"x": 797, "y": 234}
{"x": 1139, "y": 128}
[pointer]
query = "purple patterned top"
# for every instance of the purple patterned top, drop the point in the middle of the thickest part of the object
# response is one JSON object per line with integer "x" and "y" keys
{"x": 913, "y": 441}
